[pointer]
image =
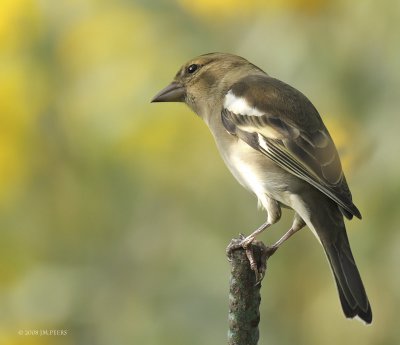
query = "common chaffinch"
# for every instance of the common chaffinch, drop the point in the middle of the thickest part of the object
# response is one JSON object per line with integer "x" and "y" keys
{"x": 275, "y": 144}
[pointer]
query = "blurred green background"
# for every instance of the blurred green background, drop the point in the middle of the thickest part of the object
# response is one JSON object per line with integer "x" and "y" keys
{"x": 115, "y": 213}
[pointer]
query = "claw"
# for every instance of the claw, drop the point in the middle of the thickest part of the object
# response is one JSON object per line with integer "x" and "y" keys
{"x": 258, "y": 266}
{"x": 249, "y": 244}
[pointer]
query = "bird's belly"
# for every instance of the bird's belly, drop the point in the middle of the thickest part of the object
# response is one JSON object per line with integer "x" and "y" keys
{"x": 263, "y": 177}
{"x": 255, "y": 172}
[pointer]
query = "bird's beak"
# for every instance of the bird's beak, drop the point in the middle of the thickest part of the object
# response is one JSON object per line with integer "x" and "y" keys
{"x": 174, "y": 92}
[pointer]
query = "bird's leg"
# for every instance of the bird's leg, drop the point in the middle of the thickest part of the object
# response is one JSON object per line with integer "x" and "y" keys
{"x": 249, "y": 239}
{"x": 274, "y": 214}
{"x": 298, "y": 224}
{"x": 246, "y": 244}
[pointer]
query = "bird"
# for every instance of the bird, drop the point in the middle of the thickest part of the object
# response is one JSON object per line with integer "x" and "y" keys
{"x": 274, "y": 142}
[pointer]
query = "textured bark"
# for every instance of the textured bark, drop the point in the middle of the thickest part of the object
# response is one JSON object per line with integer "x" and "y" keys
{"x": 244, "y": 294}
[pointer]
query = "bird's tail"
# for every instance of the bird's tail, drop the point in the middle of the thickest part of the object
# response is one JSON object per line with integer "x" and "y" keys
{"x": 352, "y": 294}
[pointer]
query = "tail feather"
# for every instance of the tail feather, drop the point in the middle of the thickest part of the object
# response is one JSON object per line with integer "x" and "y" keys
{"x": 354, "y": 311}
{"x": 352, "y": 294}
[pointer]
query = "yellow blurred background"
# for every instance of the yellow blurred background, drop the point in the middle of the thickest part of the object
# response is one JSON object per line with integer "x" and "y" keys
{"x": 115, "y": 213}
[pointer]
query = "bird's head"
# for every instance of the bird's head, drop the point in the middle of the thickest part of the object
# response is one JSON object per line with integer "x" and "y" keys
{"x": 203, "y": 81}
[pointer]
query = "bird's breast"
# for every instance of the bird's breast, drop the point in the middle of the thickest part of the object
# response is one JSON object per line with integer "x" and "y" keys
{"x": 252, "y": 170}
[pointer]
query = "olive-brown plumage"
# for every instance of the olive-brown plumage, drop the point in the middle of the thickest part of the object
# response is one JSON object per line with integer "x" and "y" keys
{"x": 275, "y": 143}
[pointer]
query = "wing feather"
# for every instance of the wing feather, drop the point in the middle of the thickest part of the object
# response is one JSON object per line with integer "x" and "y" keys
{"x": 286, "y": 127}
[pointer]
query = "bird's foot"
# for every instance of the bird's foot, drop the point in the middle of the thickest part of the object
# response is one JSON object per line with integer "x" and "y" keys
{"x": 256, "y": 251}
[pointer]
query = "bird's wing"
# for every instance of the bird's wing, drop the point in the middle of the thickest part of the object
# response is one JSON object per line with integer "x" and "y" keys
{"x": 280, "y": 122}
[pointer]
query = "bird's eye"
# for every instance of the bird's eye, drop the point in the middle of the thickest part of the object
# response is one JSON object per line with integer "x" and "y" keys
{"x": 192, "y": 68}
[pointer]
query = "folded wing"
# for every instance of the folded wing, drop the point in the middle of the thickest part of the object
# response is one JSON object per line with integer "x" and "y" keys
{"x": 281, "y": 122}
